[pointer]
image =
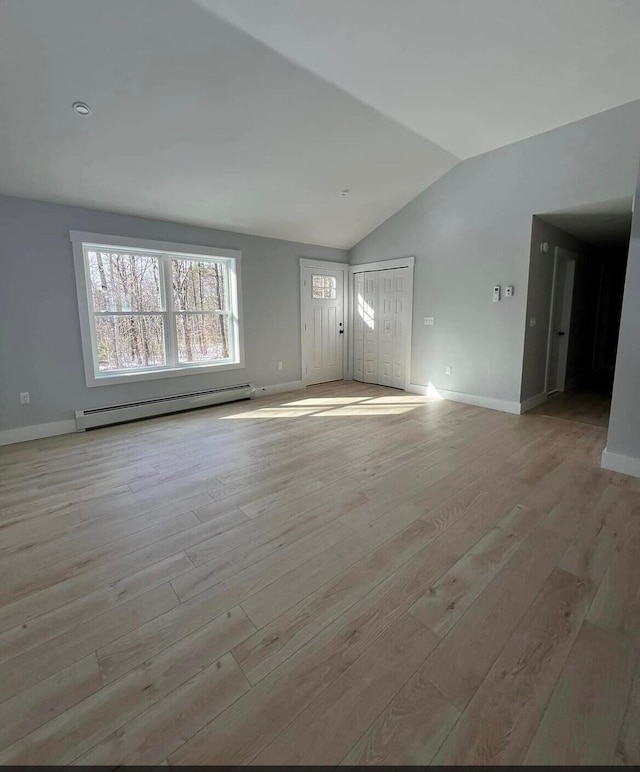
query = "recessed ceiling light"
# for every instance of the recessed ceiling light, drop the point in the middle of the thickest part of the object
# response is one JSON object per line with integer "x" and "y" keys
{"x": 345, "y": 192}
{"x": 82, "y": 108}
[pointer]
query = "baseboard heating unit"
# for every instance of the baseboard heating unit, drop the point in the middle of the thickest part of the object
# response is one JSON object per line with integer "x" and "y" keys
{"x": 132, "y": 411}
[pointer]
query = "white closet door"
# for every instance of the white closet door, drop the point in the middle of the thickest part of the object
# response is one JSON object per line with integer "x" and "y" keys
{"x": 400, "y": 324}
{"x": 358, "y": 327}
{"x": 386, "y": 328}
{"x": 371, "y": 325}
{"x": 381, "y": 328}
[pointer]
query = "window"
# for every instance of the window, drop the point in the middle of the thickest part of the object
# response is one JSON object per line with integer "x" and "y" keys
{"x": 324, "y": 287}
{"x": 153, "y": 310}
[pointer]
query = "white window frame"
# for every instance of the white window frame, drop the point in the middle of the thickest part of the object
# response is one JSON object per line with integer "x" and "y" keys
{"x": 82, "y": 242}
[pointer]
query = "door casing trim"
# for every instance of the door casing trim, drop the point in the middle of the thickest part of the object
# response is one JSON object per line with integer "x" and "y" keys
{"x": 572, "y": 257}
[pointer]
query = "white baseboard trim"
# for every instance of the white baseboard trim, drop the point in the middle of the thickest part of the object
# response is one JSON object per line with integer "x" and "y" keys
{"x": 278, "y": 388}
{"x": 415, "y": 388}
{"x": 502, "y": 405}
{"x": 468, "y": 399}
{"x": 616, "y": 462}
{"x": 532, "y": 402}
{"x": 36, "y": 432}
{"x": 39, "y": 431}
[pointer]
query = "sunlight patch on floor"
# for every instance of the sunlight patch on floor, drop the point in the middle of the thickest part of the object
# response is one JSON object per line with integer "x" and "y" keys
{"x": 275, "y": 412}
{"x": 361, "y": 410}
{"x": 397, "y": 400}
{"x": 337, "y": 406}
{"x": 326, "y": 401}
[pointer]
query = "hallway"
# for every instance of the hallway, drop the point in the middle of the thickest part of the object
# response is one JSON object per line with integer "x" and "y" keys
{"x": 586, "y": 405}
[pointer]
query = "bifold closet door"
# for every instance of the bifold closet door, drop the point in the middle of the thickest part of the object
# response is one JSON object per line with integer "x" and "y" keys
{"x": 381, "y": 327}
{"x": 371, "y": 325}
{"x": 393, "y": 327}
{"x": 358, "y": 327}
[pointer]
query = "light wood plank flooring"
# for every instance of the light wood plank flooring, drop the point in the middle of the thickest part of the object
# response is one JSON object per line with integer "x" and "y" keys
{"x": 346, "y": 574}
{"x": 585, "y": 405}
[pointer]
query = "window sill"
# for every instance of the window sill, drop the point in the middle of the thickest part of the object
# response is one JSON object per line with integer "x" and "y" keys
{"x": 153, "y": 375}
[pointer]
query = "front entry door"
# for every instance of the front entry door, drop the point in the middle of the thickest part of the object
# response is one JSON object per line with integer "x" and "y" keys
{"x": 322, "y": 324}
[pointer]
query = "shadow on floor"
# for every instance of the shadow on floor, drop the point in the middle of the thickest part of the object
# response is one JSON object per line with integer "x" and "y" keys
{"x": 587, "y": 404}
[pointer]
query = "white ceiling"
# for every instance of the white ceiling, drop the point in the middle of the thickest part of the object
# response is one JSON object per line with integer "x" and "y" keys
{"x": 470, "y": 75}
{"x": 252, "y": 115}
{"x": 193, "y": 121}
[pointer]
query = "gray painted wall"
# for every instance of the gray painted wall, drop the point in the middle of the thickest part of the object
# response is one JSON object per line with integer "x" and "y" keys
{"x": 472, "y": 229}
{"x": 624, "y": 421}
{"x": 40, "y": 347}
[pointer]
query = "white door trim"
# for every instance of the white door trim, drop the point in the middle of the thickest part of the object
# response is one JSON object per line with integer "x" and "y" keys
{"x": 307, "y": 262}
{"x": 550, "y": 331}
{"x": 380, "y": 265}
{"x": 569, "y": 257}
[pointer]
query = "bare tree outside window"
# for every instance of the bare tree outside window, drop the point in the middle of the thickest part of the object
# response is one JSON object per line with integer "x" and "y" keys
{"x": 134, "y": 311}
{"x": 324, "y": 287}
{"x": 199, "y": 292}
{"x": 121, "y": 283}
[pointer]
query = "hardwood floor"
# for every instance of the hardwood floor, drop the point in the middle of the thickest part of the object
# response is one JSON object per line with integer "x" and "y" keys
{"x": 585, "y": 405}
{"x": 342, "y": 575}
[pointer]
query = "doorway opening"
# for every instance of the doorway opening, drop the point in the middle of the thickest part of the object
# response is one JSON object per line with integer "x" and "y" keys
{"x": 576, "y": 284}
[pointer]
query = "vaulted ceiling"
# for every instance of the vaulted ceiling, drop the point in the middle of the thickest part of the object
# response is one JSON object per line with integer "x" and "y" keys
{"x": 470, "y": 75}
{"x": 253, "y": 115}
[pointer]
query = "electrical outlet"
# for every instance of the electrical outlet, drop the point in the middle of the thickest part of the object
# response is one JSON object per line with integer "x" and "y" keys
{"x": 429, "y": 321}
{"x": 532, "y": 321}
{"x": 447, "y": 370}
{"x": 279, "y": 365}
{"x": 25, "y": 399}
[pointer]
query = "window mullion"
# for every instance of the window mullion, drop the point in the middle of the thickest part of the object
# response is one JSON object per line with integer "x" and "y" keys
{"x": 170, "y": 338}
{"x": 230, "y": 304}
